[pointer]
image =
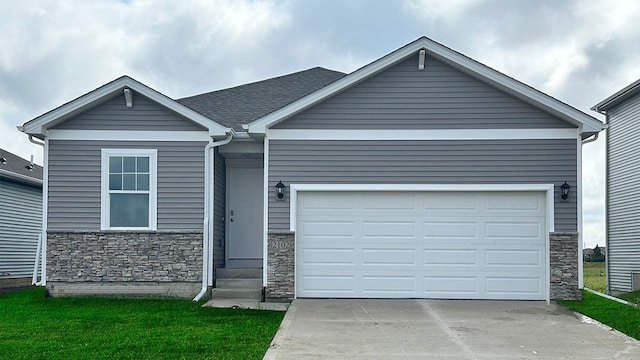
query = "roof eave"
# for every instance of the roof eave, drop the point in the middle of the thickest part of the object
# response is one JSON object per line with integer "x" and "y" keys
{"x": 617, "y": 98}
{"x": 20, "y": 178}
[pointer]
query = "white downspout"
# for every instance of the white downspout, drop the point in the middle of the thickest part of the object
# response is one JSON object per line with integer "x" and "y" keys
{"x": 42, "y": 240}
{"x": 207, "y": 235}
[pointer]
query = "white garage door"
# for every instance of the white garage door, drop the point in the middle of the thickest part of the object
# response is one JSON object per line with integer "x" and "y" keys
{"x": 453, "y": 245}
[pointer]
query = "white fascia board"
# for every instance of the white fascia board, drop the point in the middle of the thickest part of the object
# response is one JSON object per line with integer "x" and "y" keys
{"x": 574, "y": 116}
{"x": 295, "y": 188}
{"x": 120, "y": 135}
{"x": 458, "y": 134}
{"x": 84, "y": 102}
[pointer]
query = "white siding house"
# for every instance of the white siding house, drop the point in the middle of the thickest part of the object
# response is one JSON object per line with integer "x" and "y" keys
{"x": 622, "y": 110}
{"x": 20, "y": 218}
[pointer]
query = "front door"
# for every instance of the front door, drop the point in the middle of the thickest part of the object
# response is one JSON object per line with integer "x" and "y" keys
{"x": 244, "y": 215}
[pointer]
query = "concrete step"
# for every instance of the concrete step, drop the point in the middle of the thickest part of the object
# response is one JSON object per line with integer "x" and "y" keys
{"x": 233, "y": 273}
{"x": 218, "y": 293}
{"x": 239, "y": 283}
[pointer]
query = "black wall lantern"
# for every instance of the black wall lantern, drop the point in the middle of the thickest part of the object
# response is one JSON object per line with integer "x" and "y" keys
{"x": 280, "y": 190}
{"x": 565, "y": 190}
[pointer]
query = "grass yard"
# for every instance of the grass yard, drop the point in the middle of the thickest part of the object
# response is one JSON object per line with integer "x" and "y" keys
{"x": 35, "y": 327}
{"x": 623, "y": 318}
{"x": 595, "y": 276}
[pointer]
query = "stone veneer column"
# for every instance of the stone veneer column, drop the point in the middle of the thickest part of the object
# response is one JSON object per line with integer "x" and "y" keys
{"x": 563, "y": 258}
{"x": 280, "y": 266}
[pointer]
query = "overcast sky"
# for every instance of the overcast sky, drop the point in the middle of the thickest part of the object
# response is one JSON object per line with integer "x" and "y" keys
{"x": 54, "y": 51}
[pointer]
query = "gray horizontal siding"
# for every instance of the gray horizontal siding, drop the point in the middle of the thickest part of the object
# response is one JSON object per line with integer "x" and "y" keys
{"x": 74, "y": 183}
{"x": 440, "y": 97}
{"x": 20, "y": 225}
{"x": 623, "y": 194}
{"x": 144, "y": 115}
{"x": 424, "y": 162}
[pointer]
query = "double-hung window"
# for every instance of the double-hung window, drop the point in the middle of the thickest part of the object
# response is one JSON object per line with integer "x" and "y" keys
{"x": 129, "y": 183}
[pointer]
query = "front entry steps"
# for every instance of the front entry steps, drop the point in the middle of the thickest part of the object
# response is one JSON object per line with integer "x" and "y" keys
{"x": 240, "y": 289}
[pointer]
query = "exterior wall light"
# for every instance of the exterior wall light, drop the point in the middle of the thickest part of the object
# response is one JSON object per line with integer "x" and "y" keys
{"x": 280, "y": 190}
{"x": 565, "y": 190}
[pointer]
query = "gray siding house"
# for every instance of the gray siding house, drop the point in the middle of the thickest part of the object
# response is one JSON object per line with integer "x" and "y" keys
{"x": 423, "y": 174}
{"x": 622, "y": 111}
{"x": 20, "y": 219}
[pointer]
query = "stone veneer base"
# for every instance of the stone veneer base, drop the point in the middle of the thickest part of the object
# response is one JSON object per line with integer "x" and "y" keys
{"x": 137, "y": 263}
{"x": 280, "y": 266}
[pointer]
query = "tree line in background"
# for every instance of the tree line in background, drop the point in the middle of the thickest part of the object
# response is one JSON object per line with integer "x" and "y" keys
{"x": 595, "y": 256}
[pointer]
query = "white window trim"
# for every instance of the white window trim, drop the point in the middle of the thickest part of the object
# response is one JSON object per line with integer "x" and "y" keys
{"x": 153, "y": 186}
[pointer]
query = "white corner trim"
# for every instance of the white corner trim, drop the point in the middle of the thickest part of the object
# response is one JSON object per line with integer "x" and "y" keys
{"x": 295, "y": 188}
{"x": 265, "y": 213}
{"x": 121, "y": 135}
{"x": 153, "y": 186}
{"x": 459, "y": 134}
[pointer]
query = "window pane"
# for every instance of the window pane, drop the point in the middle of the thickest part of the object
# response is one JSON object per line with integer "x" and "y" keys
{"x": 143, "y": 182}
{"x": 115, "y": 164}
{"x": 115, "y": 182}
{"x": 143, "y": 164}
{"x": 129, "y": 210}
{"x": 129, "y": 164}
{"x": 128, "y": 182}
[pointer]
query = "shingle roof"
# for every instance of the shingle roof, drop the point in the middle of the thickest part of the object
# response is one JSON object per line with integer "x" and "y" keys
{"x": 242, "y": 104}
{"x": 17, "y": 168}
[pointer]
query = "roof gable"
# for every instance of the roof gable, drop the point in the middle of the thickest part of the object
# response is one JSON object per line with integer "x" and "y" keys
{"x": 19, "y": 169}
{"x": 619, "y": 97}
{"x": 242, "y": 104}
{"x": 437, "y": 97}
{"x": 586, "y": 124}
{"x": 40, "y": 124}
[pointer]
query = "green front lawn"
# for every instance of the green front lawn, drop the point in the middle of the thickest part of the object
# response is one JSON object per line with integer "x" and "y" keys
{"x": 35, "y": 327}
{"x": 621, "y": 317}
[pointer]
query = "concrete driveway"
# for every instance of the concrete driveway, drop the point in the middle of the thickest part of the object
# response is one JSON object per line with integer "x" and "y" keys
{"x": 443, "y": 329}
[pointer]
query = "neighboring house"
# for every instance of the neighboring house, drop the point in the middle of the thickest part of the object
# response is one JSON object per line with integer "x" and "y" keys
{"x": 20, "y": 218}
{"x": 588, "y": 254}
{"x": 622, "y": 111}
{"x": 423, "y": 174}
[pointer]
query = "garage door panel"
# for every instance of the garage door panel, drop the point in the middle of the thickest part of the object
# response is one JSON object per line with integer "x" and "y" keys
{"x": 387, "y": 256}
{"x": 384, "y": 285}
{"x": 328, "y": 201}
{"x": 390, "y": 202}
{"x": 405, "y": 229}
{"x": 328, "y": 229}
{"x": 522, "y": 231}
{"x": 514, "y": 203}
{"x": 327, "y": 256}
{"x": 513, "y": 287}
{"x": 437, "y": 286}
{"x": 442, "y": 245}
{"x": 321, "y": 285}
{"x": 517, "y": 258}
{"x": 460, "y": 202}
{"x": 451, "y": 229}
{"x": 453, "y": 257}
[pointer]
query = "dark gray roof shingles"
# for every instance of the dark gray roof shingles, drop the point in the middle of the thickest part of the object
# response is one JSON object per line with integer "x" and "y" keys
{"x": 17, "y": 165}
{"x": 243, "y": 104}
